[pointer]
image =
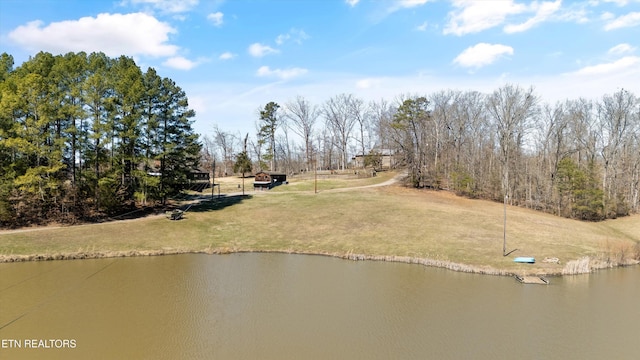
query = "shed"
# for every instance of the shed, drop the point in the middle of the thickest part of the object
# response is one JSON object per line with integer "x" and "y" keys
{"x": 198, "y": 180}
{"x": 267, "y": 180}
{"x": 199, "y": 175}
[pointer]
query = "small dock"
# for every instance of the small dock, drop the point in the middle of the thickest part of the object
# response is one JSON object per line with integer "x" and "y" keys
{"x": 539, "y": 280}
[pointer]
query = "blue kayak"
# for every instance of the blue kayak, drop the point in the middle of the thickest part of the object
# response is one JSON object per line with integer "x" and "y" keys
{"x": 523, "y": 259}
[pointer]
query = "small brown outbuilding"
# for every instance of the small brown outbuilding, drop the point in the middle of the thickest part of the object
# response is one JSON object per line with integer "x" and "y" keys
{"x": 267, "y": 180}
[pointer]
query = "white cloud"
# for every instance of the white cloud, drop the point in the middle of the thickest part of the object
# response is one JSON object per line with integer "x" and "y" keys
{"x": 607, "y": 16}
{"x": 574, "y": 12}
{"x": 284, "y": 74}
{"x": 113, "y": 34}
{"x": 180, "y": 63}
{"x": 482, "y": 54}
{"x": 555, "y": 54}
{"x": 618, "y": 2}
{"x": 411, "y": 3}
{"x": 282, "y": 38}
{"x": 259, "y": 50}
{"x": 629, "y": 20}
{"x": 352, "y": 3}
{"x": 620, "y": 65}
{"x": 621, "y": 49}
{"x": 471, "y": 16}
{"x": 543, "y": 11}
{"x": 422, "y": 27}
{"x": 226, "y": 56}
{"x": 404, "y": 4}
{"x": 474, "y": 16}
{"x": 167, "y": 6}
{"x": 369, "y": 83}
{"x": 295, "y": 35}
{"x": 216, "y": 18}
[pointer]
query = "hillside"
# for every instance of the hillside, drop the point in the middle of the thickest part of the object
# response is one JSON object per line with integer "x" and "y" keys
{"x": 363, "y": 222}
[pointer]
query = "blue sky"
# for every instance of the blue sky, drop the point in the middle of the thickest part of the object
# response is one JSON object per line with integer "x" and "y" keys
{"x": 232, "y": 57}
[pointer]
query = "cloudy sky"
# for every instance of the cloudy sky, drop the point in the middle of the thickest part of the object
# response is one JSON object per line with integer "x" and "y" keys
{"x": 232, "y": 57}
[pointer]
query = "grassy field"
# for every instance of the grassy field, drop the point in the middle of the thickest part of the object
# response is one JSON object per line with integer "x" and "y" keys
{"x": 346, "y": 218}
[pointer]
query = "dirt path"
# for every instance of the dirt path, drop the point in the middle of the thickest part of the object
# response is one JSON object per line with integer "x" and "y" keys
{"x": 389, "y": 182}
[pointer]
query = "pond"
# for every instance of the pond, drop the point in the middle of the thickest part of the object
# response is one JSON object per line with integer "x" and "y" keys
{"x": 280, "y": 306}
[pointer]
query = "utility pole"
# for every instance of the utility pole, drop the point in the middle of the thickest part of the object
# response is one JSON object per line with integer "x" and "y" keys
{"x": 504, "y": 231}
{"x": 245, "y": 152}
{"x": 504, "y": 234}
{"x": 213, "y": 177}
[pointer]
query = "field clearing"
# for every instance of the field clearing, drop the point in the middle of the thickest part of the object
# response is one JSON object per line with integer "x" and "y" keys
{"x": 303, "y": 182}
{"x": 390, "y": 222}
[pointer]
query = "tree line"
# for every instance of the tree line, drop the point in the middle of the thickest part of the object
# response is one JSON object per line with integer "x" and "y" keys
{"x": 576, "y": 158}
{"x": 85, "y": 136}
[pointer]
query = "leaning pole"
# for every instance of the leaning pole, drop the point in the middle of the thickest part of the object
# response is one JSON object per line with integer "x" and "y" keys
{"x": 504, "y": 228}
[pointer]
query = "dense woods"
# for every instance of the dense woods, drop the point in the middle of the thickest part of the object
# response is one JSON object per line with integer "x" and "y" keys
{"x": 576, "y": 158}
{"x": 84, "y": 136}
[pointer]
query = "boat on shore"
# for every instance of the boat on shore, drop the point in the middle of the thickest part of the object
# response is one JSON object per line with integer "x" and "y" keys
{"x": 525, "y": 259}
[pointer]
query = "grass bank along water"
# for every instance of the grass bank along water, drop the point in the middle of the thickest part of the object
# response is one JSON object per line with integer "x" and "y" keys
{"x": 388, "y": 223}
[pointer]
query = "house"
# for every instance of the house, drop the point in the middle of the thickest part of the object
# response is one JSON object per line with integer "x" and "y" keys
{"x": 379, "y": 159}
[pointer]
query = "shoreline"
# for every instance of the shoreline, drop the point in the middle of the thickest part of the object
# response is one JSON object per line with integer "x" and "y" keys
{"x": 442, "y": 264}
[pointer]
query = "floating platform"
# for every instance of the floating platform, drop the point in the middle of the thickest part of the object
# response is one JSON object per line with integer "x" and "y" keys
{"x": 524, "y": 259}
{"x": 540, "y": 280}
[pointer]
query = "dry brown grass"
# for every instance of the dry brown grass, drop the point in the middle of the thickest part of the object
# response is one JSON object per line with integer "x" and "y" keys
{"x": 387, "y": 223}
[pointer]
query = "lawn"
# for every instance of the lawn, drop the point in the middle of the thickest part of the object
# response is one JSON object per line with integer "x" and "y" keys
{"x": 347, "y": 218}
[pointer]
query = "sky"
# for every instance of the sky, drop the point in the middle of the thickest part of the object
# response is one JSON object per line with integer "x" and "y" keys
{"x": 233, "y": 57}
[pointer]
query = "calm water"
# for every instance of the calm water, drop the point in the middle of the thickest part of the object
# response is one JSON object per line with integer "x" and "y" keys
{"x": 275, "y": 306}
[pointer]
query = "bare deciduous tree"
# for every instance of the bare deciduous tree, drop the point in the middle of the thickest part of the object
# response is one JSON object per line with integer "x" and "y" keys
{"x": 361, "y": 115}
{"x": 226, "y": 144}
{"x": 338, "y": 112}
{"x": 301, "y": 117}
{"x": 512, "y": 109}
{"x": 616, "y": 117}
